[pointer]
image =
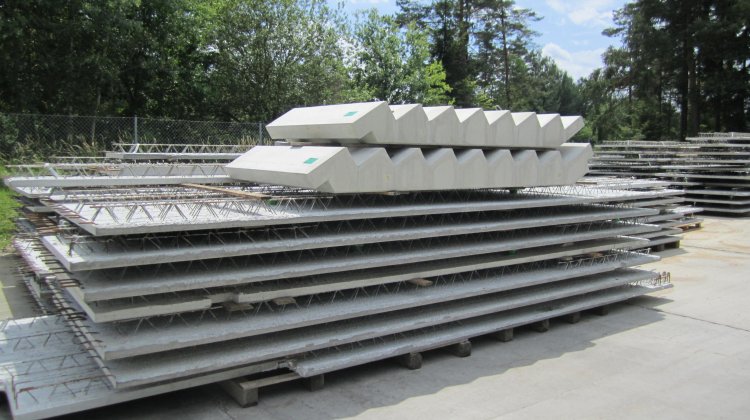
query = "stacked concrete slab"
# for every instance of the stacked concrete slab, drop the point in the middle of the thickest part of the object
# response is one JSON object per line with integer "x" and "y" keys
{"x": 373, "y": 147}
{"x": 164, "y": 286}
{"x": 674, "y": 217}
{"x": 714, "y": 168}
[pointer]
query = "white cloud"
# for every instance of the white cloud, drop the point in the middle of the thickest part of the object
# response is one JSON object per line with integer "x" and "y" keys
{"x": 556, "y": 5}
{"x": 585, "y": 12}
{"x": 577, "y": 63}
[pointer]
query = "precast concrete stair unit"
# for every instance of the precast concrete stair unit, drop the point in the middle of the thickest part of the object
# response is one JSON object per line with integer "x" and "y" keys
{"x": 376, "y": 169}
{"x": 377, "y": 123}
{"x": 456, "y": 149}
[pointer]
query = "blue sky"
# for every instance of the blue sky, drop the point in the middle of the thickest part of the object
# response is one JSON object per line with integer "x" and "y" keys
{"x": 570, "y": 31}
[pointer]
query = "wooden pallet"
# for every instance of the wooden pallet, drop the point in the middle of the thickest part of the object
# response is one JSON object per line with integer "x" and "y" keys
{"x": 663, "y": 247}
{"x": 691, "y": 227}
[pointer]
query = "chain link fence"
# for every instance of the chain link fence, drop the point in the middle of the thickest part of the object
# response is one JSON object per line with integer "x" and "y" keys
{"x": 26, "y": 137}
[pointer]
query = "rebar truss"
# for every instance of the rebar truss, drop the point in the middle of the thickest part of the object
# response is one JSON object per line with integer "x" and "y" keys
{"x": 105, "y": 169}
{"x": 218, "y": 312}
{"x": 173, "y": 148}
{"x": 85, "y": 243}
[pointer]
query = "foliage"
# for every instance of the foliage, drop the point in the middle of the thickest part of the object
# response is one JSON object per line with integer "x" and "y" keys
{"x": 393, "y": 64}
{"x": 8, "y": 136}
{"x": 487, "y": 50}
{"x": 682, "y": 65}
{"x": 503, "y": 41}
{"x": 99, "y": 57}
{"x": 271, "y": 56}
{"x": 8, "y": 207}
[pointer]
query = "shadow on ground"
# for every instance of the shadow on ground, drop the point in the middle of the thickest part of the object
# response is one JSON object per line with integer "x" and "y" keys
{"x": 670, "y": 252}
{"x": 355, "y": 390}
{"x": 18, "y": 303}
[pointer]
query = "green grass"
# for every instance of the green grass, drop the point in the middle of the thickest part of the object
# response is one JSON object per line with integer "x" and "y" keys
{"x": 8, "y": 206}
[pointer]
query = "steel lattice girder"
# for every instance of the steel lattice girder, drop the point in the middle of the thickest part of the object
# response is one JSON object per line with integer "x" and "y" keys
{"x": 113, "y": 341}
{"x": 80, "y": 253}
{"x": 143, "y": 370}
{"x": 135, "y": 217}
{"x": 196, "y": 300}
{"x": 100, "y": 285}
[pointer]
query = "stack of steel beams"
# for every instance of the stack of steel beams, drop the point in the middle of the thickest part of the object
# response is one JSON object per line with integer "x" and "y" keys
{"x": 714, "y": 168}
{"x": 163, "y": 286}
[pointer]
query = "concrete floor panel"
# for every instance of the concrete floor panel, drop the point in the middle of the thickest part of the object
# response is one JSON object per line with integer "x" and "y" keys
{"x": 684, "y": 355}
{"x": 79, "y": 253}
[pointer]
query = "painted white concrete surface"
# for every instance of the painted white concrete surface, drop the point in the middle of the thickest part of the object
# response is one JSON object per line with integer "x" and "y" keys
{"x": 377, "y": 123}
{"x": 336, "y": 169}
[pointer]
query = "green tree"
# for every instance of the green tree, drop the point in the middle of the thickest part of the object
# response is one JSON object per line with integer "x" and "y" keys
{"x": 394, "y": 65}
{"x": 100, "y": 57}
{"x": 502, "y": 38}
{"x": 272, "y": 56}
{"x": 484, "y": 46}
{"x": 450, "y": 25}
{"x": 541, "y": 86}
{"x": 685, "y": 58}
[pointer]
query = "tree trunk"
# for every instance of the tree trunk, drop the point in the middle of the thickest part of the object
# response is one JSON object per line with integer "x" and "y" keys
{"x": 96, "y": 112}
{"x": 462, "y": 52}
{"x": 506, "y": 57}
{"x": 660, "y": 130}
{"x": 683, "y": 87}
{"x": 694, "y": 98}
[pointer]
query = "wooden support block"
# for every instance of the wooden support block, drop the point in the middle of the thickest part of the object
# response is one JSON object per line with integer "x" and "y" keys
{"x": 245, "y": 390}
{"x": 411, "y": 361}
{"x": 601, "y": 310}
{"x": 462, "y": 349}
{"x": 420, "y": 282}
{"x": 244, "y": 397}
{"x": 234, "y": 306}
{"x": 315, "y": 383}
{"x": 572, "y": 318}
{"x": 541, "y": 326}
{"x": 503, "y": 335}
{"x": 282, "y": 301}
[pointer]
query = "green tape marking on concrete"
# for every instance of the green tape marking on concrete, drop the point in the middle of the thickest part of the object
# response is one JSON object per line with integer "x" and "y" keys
{"x": 310, "y": 161}
{"x": 350, "y": 113}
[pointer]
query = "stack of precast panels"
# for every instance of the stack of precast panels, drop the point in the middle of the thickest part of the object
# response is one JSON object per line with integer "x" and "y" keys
{"x": 714, "y": 168}
{"x": 673, "y": 216}
{"x": 162, "y": 286}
